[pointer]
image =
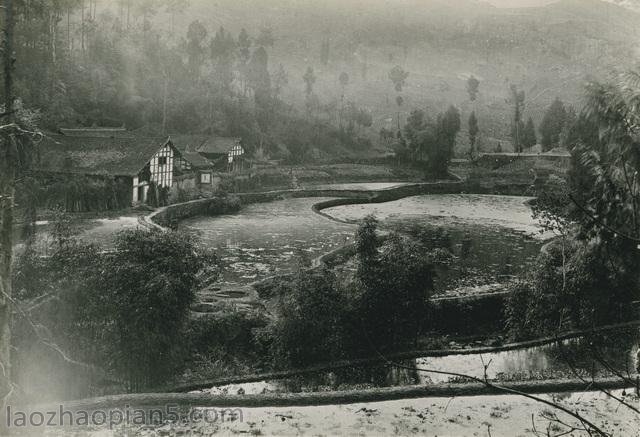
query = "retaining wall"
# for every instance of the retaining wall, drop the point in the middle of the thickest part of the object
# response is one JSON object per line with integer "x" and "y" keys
{"x": 460, "y": 315}
{"x": 398, "y": 357}
{"x": 164, "y": 216}
{"x": 341, "y": 397}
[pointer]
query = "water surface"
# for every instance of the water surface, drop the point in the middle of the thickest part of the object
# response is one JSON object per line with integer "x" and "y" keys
{"x": 492, "y": 238}
{"x": 509, "y": 212}
{"x": 486, "y": 234}
{"x": 568, "y": 359}
{"x": 268, "y": 238}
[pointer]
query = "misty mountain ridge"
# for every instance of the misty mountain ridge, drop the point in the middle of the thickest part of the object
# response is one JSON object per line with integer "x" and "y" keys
{"x": 634, "y": 5}
{"x": 547, "y": 51}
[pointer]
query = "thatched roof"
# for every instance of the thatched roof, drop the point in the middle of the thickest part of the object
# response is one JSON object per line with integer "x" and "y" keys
{"x": 97, "y": 155}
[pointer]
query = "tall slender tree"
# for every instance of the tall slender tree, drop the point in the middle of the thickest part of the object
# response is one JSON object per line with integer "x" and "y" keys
{"x": 552, "y": 125}
{"x": 517, "y": 98}
{"x": 398, "y": 77}
{"x": 473, "y": 133}
{"x": 529, "y": 138}
{"x": 344, "y": 81}
{"x": 7, "y": 194}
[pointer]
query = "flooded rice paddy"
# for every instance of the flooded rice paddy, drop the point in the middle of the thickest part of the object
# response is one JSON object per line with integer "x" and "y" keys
{"x": 264, "y": 239}
{"x": 492, "y": 237}
{"x": 570, "y": 358}
{"x": 506, "y": 212}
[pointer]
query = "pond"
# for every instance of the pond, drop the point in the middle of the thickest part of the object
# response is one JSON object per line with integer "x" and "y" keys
{"x": 492, "y": 237}
{"x": 268, "y": 238}
{"x": 508, "y": 212}
{"x": 565, "y": 359}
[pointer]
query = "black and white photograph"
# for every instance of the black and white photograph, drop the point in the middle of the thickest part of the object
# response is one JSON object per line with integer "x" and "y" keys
{"x": 320, "y": 218}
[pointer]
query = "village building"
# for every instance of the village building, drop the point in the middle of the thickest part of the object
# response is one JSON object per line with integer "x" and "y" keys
{"x": 138, "y": 162}
{"x": 227, "y": 154}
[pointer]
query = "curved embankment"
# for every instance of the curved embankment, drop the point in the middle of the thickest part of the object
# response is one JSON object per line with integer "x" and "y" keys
{"x": 339, "y": 397}
{"x": 399, "y": 356}
{"x": 161, "y": 217}
{"x": 361, "y": 396}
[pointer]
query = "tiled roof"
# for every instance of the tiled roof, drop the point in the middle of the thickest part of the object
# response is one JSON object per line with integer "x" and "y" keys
{"x": 187, "y": 145}
{"x": 187, "y": 142}
{"x": 217, "y": 145}
{"x": 196, "y": 159}
{"x": 123, "y": 154}
{"x": 97, "y": 156}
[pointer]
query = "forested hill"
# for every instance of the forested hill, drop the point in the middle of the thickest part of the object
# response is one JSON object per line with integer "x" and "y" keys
{"x": 547, "y": 51}
{"x": 134, "y": 62}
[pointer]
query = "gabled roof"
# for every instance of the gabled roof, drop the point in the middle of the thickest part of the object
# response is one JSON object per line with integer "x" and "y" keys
{"x": 97, "y": 156}
{"x": 187, "y": 145}
{"x": 217, "y": 145}
{"x": 196, "y": 159}
{"x": 208, "y": 144}
{"x": 187, "y": 142}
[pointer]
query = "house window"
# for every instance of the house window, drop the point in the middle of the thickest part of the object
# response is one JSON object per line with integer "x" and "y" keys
{"x": 162, "y": 160}
{"x": 205, "y": 178}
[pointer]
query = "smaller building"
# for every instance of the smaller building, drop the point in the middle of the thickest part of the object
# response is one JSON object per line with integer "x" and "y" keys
{"x": 226, "y": 153}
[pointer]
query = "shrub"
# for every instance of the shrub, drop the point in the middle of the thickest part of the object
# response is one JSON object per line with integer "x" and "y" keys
{"x": 224, "y": 205}
{"x": 126, "y": 311}
{"x": 230, "y": 337}
{"x": 381, "y": 308}
{"x": 310, "y": 321}
{"x": 585, "y": 292}
{"x": 395, "y": 283}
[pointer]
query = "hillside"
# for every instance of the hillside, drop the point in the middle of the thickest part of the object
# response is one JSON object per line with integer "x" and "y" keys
{"x": 634, "y": 5}
{"x": 547, "y": 51}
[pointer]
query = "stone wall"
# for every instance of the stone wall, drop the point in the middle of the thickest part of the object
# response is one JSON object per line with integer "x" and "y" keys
{"x": 168, "y": 215}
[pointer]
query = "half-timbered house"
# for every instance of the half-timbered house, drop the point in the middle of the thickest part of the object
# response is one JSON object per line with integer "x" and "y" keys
{"x": 226, "y": 153}
{"x": 139, "y": 162}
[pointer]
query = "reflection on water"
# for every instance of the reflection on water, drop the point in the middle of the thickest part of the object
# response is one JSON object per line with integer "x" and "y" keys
{"x": 268, "y": 238}
{"x": 559, "y": 360}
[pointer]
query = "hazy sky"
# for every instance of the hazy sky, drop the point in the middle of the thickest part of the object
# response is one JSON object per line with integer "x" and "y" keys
{"x": 519, "y": 3}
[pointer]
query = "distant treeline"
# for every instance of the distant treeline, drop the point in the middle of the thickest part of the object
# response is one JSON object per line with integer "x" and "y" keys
{"x": 113, "y": 71}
